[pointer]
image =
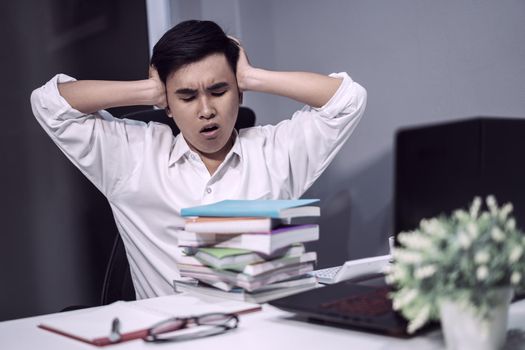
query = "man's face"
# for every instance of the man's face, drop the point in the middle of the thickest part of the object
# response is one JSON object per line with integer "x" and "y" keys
{"x": 203, "y": 99}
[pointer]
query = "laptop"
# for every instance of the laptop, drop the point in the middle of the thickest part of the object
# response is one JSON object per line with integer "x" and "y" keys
{"x": 438, "y": 168}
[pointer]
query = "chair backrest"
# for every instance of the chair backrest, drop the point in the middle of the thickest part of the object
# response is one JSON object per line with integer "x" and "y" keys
{"x": 118, "y": 284}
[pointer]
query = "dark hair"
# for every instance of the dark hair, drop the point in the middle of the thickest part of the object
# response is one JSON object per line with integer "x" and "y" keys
{"x": 189, "y": 42}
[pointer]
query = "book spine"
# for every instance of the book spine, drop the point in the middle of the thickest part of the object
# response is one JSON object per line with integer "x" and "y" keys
{"x": 235, "y": 226}
{"x": 267, "y": 244}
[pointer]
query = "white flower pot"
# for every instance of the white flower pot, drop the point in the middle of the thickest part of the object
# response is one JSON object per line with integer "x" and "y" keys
{"x": 464, "y": 330}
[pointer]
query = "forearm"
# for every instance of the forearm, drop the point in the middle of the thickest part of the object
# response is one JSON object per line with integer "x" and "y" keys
{"x": 310, "y": 88}
{"x": 88, "y": 96}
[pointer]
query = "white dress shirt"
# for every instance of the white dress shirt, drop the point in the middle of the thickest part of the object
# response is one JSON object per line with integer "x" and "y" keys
{"x": 148, "y": 175}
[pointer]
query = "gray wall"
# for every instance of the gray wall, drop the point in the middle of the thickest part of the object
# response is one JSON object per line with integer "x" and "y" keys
{"x": 421, "y": 62}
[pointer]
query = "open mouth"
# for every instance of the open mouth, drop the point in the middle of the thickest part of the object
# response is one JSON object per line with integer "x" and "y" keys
{"x": 210, "y": 129}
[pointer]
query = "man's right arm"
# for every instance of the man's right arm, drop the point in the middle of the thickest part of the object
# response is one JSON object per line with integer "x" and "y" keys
{"x": 90, "y": 96}
{"x": 105, "y": 149}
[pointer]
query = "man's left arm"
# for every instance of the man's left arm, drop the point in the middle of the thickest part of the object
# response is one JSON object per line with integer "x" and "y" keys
{"x": 298, "y": 150}
{"x": 312, "y": 89}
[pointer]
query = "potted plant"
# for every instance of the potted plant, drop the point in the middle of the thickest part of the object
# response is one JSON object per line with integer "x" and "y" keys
{"x": 462, "y": 269}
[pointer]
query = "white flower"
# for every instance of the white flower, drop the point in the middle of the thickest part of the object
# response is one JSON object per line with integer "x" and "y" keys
{"x": 482, "y": 273}
{"x": 419, "y": 320}
{"x": 461, "y": 215}
{"x": 505, "y": 211}
{"x": 464, "y": 240}
{"x": 496, "y": 234}
{"x": 493, "y": 206}
{"x": 398, "y": 272}
{"x": 415, "y": 241}
{"x": 472, "y": 229}
{"x": 515, "y": 278}
{"x": 425, "y": 271}
{"x": 405, "y": 298}
{"x": 432, "y": 227}
{"x": 515, "y": 253}
{"x": 390, "y": 279}
{"x": 511, "y": 224}
{"x": 407, "y": 257}
{"x": 396, "y": 304}
{"x": 474, "y": 208}
{"x": 482, "y": 257}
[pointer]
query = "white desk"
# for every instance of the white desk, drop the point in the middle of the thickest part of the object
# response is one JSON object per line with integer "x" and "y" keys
{"x": 268, "y": 329}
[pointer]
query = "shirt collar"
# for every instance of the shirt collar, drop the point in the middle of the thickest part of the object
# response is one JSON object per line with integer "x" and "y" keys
{"x": 236, "y": 149}
{"x": 180, "y": 148}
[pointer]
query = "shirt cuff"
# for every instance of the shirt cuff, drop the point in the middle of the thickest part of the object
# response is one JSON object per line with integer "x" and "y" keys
{"x": 51, "y": 99}
{"x": 341, "y": 99}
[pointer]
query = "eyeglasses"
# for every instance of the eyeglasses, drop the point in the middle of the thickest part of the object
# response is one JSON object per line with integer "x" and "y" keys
{"x": 201, "y": 326}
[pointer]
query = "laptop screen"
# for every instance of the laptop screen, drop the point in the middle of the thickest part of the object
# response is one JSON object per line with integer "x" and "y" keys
{"x": 442, "y": 167}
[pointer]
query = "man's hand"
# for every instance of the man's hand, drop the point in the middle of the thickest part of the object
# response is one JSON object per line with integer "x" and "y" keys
{"x": 244, "y": 68}
{"x": 159, "y": 89}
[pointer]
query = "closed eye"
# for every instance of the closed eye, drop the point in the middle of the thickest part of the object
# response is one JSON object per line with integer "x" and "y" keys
{"x": 188, "y": 98}
{"x": 217, "y": 94}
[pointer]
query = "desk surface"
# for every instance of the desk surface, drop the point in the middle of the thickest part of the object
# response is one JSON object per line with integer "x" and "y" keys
{"x": 268, "y": 329}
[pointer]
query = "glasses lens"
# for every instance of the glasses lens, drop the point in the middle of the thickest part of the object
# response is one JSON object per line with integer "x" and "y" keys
{"x": 166, "y": 326}
{"x": 225, "y": 320}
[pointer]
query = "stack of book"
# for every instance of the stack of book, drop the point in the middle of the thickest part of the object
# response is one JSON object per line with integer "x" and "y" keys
{"x": 247, "y": 249}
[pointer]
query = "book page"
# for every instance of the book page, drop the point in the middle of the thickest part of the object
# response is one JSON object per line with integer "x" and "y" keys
{"x": 139, "y": 315}
{"x": 96, "y": 323}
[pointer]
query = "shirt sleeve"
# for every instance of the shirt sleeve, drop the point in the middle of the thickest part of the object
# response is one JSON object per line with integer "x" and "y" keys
{"x": 301, "y": 148}
{"x": 104, "y": 148}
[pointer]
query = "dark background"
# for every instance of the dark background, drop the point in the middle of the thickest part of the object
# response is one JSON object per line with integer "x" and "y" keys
{"x": 57, "y": 228}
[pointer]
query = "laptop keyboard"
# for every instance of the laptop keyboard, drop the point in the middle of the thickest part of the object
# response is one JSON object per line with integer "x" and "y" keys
{"x": 328, "y": 273}
{"x": 375, "y": 303}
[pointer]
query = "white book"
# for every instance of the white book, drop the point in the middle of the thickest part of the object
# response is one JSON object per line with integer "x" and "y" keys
{"x": 192, "y": 239}
{"x": 250, "y": 283}
{"x": 231, "y": 224}
{"x": 262, "y": 295}
{"x": 261, "y": 242}
{"x": 237, "y": 259}
{"x": 268, "y": 243}
{"x": 254, "y": 270}
{"x": 266, "y": 266}
{"x": 188, "y": 260}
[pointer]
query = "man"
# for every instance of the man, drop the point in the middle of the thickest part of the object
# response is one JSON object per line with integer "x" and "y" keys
{"x": 199, "y": 75}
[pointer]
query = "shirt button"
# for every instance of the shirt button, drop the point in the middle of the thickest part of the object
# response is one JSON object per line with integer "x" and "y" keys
{"x": 193, "y": 157}
{"x": 208, "y": 190}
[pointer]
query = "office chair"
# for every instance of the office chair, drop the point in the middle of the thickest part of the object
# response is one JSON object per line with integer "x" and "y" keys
{"x": 118, "y": 284}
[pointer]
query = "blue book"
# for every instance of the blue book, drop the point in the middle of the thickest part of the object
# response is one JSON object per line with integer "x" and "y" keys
{"x": 279, "y": 209}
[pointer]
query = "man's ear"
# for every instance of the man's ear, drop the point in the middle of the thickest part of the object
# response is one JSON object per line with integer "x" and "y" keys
{"x": 168, "y": 112}
{"x": 240, "y": 97}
